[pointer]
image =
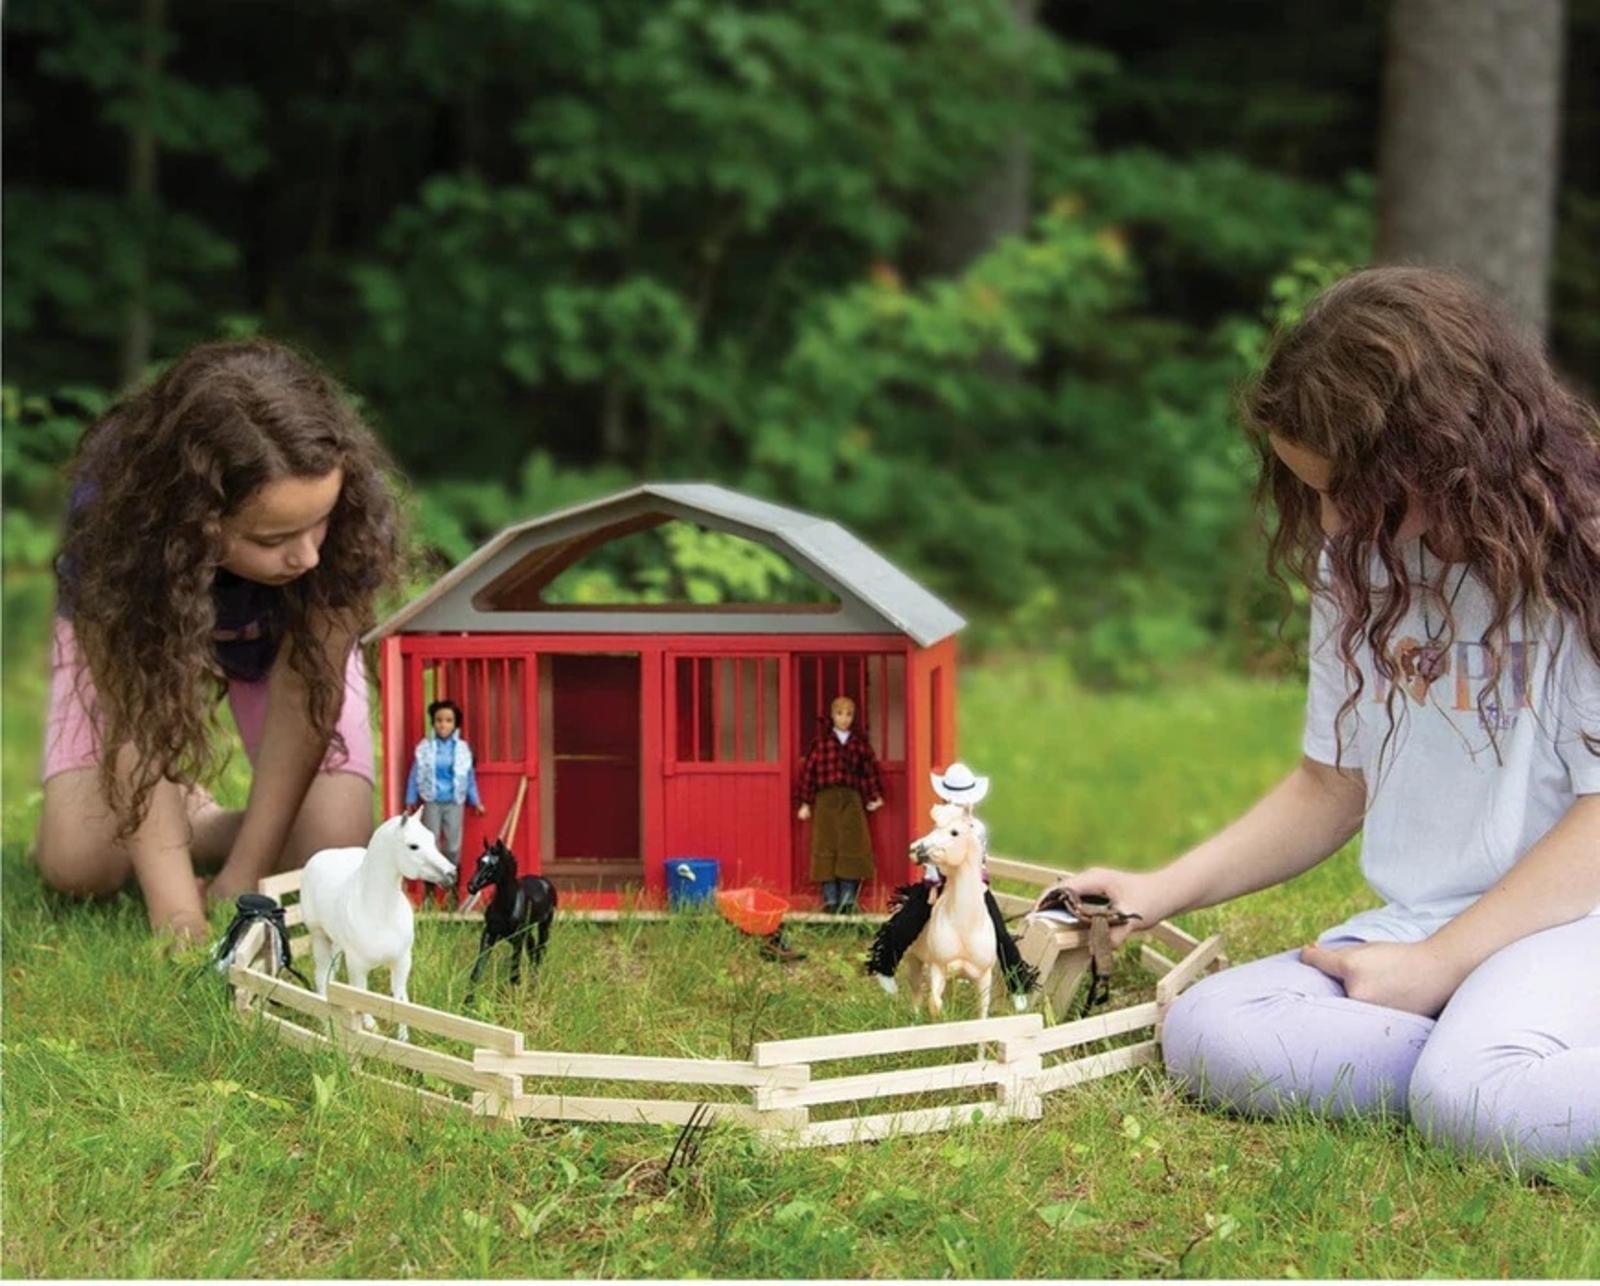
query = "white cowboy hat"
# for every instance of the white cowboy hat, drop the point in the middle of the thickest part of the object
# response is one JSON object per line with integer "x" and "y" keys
{"x": 959, "y": 786}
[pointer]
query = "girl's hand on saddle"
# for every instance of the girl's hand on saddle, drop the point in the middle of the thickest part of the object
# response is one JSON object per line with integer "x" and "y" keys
{"x": 1398, "y": 975}
{"x": 1131, "y": 892}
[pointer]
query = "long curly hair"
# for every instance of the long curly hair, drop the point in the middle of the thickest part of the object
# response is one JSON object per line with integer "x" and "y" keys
{"x": 153, "y": 480}
{"x": 1419, "y": 389}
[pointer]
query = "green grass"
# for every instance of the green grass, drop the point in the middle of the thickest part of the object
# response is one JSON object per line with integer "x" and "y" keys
{"x": 147, "y": 1131}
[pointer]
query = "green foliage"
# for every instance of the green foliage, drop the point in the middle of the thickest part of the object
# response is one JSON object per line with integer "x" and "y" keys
{"x": 560, "y": 248}
{"x": 695, "y": 176}
{"x": 76, "y": 257}
{"x": 37, "y": 437}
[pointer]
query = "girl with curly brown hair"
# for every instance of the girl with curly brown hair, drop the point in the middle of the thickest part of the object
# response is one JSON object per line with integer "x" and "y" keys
{"x": 230, "y": 527}
{"x": 1438, "y": 492}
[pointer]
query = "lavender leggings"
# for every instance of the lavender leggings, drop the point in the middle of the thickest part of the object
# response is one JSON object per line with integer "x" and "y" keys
{"x": 1510, "y": 1069}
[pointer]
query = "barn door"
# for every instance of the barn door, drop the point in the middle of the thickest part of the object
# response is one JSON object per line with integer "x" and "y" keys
{"x": 497, "y": 695}
{"x": 726, "y": 776}
{"x": 592, "y": 732}
{"x": 876, "y": 682}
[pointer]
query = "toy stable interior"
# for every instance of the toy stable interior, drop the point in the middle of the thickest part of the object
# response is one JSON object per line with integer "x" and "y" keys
{"x": 647, "y": 731}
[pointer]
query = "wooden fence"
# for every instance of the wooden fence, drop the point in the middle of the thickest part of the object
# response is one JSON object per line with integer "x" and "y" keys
{"x": 482, "y": 1069}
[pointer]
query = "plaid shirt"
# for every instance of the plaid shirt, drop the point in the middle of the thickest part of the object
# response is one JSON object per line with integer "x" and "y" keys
{"x": 832, "y": 763}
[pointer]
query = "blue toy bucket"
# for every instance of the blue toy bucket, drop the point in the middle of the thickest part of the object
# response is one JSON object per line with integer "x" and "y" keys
{"x": 690, "y": 880}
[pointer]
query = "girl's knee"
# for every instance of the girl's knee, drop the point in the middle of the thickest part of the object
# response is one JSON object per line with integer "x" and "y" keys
{"x": 1507, "y": 1103}
{"x": 75, "y": 869}
{"x": 1196, "y": 1028}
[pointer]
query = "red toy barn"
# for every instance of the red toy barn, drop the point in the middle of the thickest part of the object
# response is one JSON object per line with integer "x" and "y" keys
{"x": 651, "y": 731}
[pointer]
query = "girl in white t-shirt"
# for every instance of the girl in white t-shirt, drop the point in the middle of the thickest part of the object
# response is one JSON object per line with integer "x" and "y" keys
{"x": 1439, "y": 492}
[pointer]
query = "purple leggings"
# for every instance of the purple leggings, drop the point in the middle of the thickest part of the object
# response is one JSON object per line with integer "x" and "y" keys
{"x": 1510, "y": 1069}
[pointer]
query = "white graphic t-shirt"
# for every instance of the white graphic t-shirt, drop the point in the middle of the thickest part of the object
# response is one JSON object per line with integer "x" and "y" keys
{"x": 1446, "y": 818}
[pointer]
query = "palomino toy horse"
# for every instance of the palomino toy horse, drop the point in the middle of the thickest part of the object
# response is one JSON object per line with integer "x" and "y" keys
{"x": 959, "y": 940}
{"x": 352, "y": 903}
{"x": 519, "y": 906}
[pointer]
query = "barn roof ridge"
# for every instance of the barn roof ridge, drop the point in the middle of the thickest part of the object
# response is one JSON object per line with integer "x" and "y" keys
{"x": 819, "y": 544}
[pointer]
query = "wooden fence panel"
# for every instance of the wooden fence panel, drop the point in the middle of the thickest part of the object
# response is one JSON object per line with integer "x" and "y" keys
{"x": 638, "y": 1111}
{"x": 894, "y": 1040}
{"x": 1095, "y": 1066}
{"x": 503, "y": 1040}
{"x": 928, "y": 1120}
{"x": 629, "y": 1067}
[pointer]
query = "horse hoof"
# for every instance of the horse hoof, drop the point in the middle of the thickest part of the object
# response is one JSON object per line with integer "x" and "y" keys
{"x": 887, "y": 982}
{"x": 1019, "y": 1002}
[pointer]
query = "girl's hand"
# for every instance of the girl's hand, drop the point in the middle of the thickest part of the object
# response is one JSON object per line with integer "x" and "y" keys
{"x": 805, "y": 812}
{"x": 480, "y": 810}
{"x": 1131, "y": 892}
{"x": 1398, "y": 975}
{"x": 226, "y": 887}
{"x": 875, "y": 805}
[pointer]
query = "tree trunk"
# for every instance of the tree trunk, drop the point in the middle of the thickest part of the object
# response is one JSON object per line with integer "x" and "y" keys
{"x": 994, "y": 206}
{"x": 143, "y": 158}
{"x": 1469, "y": 142}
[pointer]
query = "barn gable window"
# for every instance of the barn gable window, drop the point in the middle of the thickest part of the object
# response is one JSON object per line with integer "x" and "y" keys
{"x": 654, "y": 563}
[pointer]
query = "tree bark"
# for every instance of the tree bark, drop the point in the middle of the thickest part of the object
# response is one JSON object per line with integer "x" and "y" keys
{"x": 1468, "y": 148}
{"x": 143, "y": 161}
{"x": 994, "y": 206}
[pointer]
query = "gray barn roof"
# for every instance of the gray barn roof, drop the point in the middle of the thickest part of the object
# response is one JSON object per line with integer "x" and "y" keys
{"x": 875, "y": 596}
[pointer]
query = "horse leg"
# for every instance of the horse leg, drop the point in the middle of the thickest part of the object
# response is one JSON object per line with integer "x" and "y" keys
{"x": 399, "y": 975}
{"x": 357, "y": 971}
{"x": 484, "y": 943}
{"x": 985, "y": 985}
{"x": 936, "y": 980}
{"x": 322, "y": 956}
{"x": 544, "y": 941}
{"x": 916, "y": 979}
{"x": 519, "y": 944}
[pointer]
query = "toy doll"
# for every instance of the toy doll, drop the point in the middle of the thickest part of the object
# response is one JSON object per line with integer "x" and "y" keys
{"x": 839, "y": 778}
{"x": 957, "y": 785}
{"x": 443, "y": 779}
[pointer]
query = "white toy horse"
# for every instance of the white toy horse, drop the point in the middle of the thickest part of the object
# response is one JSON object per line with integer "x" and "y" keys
{"x": 352, "y": 902}
{"x": 958, "y": 940}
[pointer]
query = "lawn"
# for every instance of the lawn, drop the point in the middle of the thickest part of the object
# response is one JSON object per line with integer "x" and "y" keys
{"x": 148, "y": 1132}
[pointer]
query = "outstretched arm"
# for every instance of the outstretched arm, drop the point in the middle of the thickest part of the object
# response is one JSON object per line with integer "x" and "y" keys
{"x": 1304, "y": 819}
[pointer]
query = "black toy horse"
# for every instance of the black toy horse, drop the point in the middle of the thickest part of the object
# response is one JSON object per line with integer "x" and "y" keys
{"x": 518, "y": 907}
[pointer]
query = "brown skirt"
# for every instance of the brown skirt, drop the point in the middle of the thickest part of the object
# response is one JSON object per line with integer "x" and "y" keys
{"x": 841, "y": 844}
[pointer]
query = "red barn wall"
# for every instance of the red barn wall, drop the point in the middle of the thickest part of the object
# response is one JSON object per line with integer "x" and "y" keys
{"x": 734, "y": 804}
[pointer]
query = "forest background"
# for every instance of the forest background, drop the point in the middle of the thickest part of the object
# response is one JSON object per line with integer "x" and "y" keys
{"x": 977, "y": 278}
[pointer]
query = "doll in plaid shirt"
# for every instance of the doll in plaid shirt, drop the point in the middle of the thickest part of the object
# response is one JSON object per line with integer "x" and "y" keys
{"x": 839, "y": 780}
